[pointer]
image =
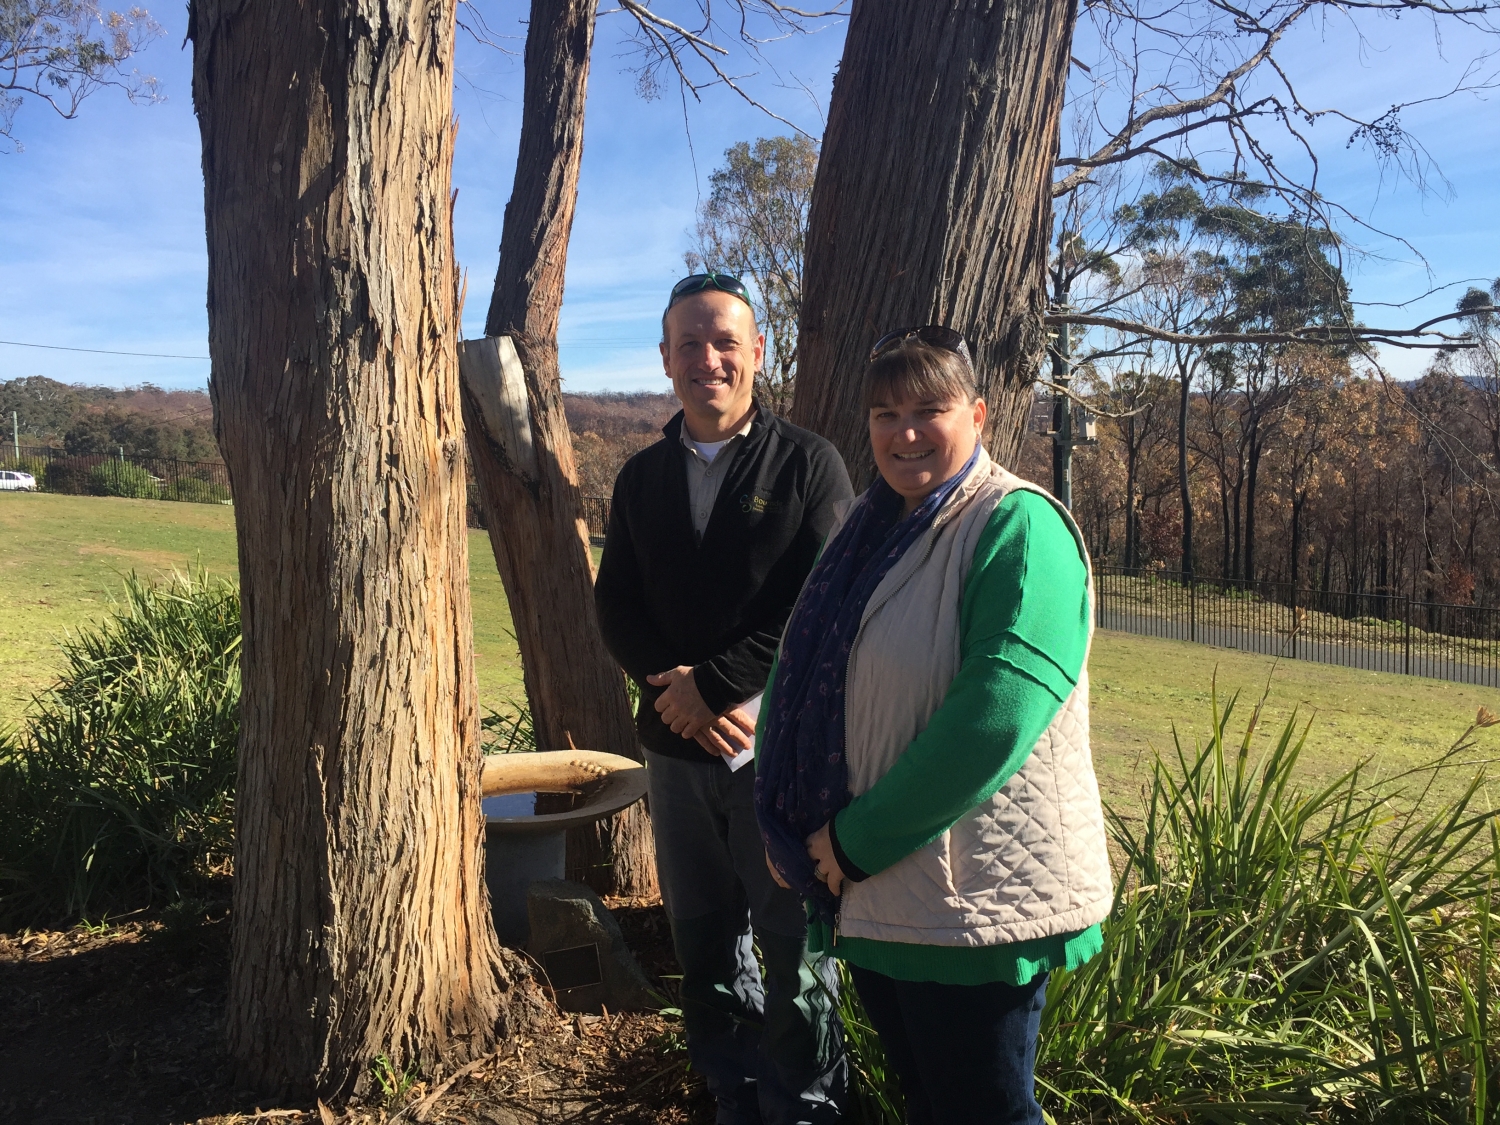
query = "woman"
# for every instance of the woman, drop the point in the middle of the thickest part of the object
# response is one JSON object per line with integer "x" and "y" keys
{"x": 924, "y": 777}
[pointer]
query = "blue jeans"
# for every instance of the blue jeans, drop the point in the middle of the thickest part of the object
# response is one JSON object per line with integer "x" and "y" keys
{"x": 770, "y": 1047}
{"x": 965, "y": 1053}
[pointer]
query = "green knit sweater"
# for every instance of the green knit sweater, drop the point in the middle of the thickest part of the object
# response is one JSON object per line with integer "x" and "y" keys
{"x": 1024, "y": 628}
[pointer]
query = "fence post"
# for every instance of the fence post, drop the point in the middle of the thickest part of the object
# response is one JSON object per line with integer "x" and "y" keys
{"x": 1406, "y": 618}
{"x": 1192, "y": 607}
{"x": 1295, "y": 623}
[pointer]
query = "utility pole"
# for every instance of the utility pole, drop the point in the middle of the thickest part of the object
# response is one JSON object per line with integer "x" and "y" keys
{"x": 1072, "y": 425}
{"x": 15, "y": 435}
{"x": 1062, "y": 417}
{"x": 1070, "y": 264}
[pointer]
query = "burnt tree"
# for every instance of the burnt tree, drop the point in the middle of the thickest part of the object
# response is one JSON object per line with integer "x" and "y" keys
{"x": 361, "y": 925}
{"x": 523, "y": 453}
{"x": 933, "y": 203}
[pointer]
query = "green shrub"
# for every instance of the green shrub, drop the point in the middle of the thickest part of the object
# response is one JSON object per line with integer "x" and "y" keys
{"x": 195, "y": 491}
{"x": 122, "y": 478}
{"x": 33, "y": 465}
{"x": 117, "y": 794}
{"x": 69, "y": 475}
{"x": 507, "y": 732}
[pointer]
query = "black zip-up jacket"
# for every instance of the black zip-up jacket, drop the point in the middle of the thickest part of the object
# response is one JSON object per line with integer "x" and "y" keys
{"x": 720, "y": 606}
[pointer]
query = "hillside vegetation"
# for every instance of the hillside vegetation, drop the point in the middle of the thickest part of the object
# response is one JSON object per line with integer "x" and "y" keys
{"x": 143, "y": 421}
{"x": 149, "y": 422}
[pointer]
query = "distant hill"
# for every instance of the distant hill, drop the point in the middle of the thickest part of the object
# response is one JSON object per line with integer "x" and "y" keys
{"x": 609, "y": 428}
{"x": 144, "y": 421}
{"x": 614, "y": 413}
{"x": 148, "y": 421}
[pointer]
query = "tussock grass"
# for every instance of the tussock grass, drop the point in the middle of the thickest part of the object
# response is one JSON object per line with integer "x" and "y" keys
{"x": 1277, "y": 955}
{"x": 117, "y": 793}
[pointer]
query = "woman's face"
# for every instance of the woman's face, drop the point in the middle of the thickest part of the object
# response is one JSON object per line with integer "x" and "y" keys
{"x": 919, "y": 445}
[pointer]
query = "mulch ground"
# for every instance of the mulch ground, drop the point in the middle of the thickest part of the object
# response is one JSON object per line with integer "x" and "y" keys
{"x": 125, "y": 1026}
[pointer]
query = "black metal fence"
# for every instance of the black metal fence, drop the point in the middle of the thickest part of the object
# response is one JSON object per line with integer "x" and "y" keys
{"x": 1380, "y": 632}
{"x": 143, "y": 478}
{"x": 596, "y": 513}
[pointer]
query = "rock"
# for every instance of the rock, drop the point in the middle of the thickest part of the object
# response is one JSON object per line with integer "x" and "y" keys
{"x": 579, "y": 944}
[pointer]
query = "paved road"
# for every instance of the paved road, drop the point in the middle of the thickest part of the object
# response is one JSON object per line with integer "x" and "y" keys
{"x": 1391, "y": 659}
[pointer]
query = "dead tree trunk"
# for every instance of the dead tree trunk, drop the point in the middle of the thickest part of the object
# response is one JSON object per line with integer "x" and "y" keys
{"x": 361, "y": 924}
{"x": 932, "y": 202}
{"x": 523, "y": 453}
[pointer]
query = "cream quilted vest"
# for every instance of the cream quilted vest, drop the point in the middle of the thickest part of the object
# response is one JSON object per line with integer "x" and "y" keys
{"x": 1031, "y": 861}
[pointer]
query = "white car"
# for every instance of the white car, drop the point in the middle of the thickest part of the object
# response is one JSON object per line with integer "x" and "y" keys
{"x": 13, "y": 480}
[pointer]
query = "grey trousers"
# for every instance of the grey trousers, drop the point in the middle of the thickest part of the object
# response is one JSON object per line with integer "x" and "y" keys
{"x": 770, "y": 1047}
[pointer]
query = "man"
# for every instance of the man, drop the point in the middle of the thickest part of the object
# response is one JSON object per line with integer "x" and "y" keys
{"x": 711, "y": 533}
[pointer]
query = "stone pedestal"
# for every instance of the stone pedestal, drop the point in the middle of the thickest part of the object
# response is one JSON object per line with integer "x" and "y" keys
{"x": 513, "y": 862}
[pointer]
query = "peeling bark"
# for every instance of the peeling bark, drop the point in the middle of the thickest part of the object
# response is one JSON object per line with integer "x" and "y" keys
{"x": 361, "y": 924}
{"x": 933, "y": 203}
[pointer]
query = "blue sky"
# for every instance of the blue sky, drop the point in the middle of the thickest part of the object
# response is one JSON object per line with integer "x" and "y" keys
{"x": 104, "y": 230}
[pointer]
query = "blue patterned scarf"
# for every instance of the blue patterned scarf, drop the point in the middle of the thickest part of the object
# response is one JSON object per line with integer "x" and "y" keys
{"x": 801, "y": 772}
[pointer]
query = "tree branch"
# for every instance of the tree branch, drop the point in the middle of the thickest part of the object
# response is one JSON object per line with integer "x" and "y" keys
{"x": 1220, "y": 93}
{"x": 1092, "y": 408}
{"x": 660, "y": 33}
{"x": 1312, "y": 334}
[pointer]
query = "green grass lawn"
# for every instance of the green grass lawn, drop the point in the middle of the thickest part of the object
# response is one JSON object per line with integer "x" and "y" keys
{"x": 62, "y": 557}
{"x": 1140, "y": 687}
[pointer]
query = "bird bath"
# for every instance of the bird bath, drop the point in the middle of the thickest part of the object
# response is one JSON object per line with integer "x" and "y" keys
{"x": 530, "y": 801}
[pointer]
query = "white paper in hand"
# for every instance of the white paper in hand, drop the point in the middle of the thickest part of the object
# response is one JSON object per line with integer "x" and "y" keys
{"x": 752, "y": 708}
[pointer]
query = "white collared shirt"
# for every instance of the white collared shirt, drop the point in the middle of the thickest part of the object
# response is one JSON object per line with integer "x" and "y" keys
{"x": 707, "y": 465}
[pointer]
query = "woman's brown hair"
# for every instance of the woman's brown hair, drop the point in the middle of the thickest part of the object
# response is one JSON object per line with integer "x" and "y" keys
{"x": 913, "y": 369}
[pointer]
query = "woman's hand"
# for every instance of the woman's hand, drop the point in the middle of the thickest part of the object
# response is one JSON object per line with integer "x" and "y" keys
{"x": 780, "y": 882}
{"x": 825, "y": 866}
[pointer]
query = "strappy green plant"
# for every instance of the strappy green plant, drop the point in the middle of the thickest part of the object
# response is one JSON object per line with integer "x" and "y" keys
{"x": 117, "y": 793}
{"x": 1275, "y": 955}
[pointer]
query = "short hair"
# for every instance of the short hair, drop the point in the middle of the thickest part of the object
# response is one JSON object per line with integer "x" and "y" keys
{"x": 754, "y": 323}
{"x": 915, "y": 369}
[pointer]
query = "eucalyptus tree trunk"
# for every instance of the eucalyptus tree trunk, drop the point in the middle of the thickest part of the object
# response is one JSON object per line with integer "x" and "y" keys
{"x": 1184, "y": 489}
{"x": 361, "y": 926}
{"x": 523, "y": 453}
{"x": 1252, "y": 480}
{"x": 933, "y": 203}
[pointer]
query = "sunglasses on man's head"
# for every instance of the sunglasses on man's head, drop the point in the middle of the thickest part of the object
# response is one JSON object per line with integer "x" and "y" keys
{"x": 698, "y": 282}
{"x": 938, "y": 335}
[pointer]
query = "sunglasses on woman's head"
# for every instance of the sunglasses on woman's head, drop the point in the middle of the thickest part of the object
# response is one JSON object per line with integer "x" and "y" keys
{"x": 698, "y": 282}
{"x": 938, "y": 335}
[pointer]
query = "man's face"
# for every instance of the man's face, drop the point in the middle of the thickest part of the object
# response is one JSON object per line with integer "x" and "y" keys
{"x": 711, "y": 354}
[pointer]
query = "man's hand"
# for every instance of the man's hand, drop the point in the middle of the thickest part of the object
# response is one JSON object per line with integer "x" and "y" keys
{"x": 681, "y": 707}
{"x": 825, "y": 866}
{"x": 729, "y": 734}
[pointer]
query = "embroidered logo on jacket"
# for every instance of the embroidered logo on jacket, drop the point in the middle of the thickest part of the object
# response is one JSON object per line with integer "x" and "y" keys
{"x": 753, "y": 505}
